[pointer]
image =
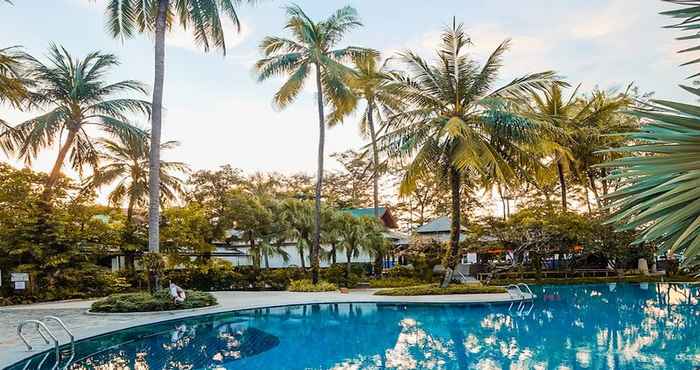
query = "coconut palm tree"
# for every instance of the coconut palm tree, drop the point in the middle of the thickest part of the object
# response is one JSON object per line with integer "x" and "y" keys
{"x": 125, "y": 18}
{"x": 453, "y": 114}
{"x": 372, "y": 83}
{"x": 124, "y": 161}
{"x": 76, "y": 97}
{"x": 311, "y": 52}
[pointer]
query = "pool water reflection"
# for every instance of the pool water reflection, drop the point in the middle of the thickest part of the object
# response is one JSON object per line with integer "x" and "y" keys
{"x": 610, "y": 326}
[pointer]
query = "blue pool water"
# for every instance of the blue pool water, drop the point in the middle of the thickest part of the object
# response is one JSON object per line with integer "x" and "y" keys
{"x": 615, "y": 326}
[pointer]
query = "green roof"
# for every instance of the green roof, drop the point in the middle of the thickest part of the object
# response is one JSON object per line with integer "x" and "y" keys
{"x": 359, "y": 212}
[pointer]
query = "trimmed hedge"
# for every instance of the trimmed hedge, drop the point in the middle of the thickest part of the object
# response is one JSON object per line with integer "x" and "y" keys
{"x": 596, "y": 280}
{"x": 306, "y": 286}
{"x": 147, "y": 302}
{"x": 395, "y": 282}
{"x": 434, "y": 289}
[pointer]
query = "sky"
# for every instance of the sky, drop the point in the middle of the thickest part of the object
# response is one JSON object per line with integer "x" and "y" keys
{"x": 221, "y": 115}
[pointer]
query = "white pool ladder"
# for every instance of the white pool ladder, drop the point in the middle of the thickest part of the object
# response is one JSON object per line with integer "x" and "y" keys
{"x": 43, "y": 330}
{"x": 522, "y": 294}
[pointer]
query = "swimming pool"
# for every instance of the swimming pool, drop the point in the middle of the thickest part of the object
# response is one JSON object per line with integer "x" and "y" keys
{"x": 610, "y": 326}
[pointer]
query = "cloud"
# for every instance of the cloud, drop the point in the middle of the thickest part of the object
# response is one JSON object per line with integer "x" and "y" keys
{"x": 597, "y": 22}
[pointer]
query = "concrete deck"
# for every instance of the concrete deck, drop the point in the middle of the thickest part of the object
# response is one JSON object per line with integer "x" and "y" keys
{"x": 84, "y": 325}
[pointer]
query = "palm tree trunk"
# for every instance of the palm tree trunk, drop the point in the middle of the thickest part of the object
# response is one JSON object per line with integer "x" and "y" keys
{"x": 130, "y": 259}
{"x": 267, "y": 261}
{"x": 453, "y": 252}
{"x": 379, "y": 258}
{"x": 156, "y": 118}
{"x": 333, "y": 252}
{"x": 316, "y": 246}
{"x": 56, "y": 170}
{"x": 595, "y": 190}
{"x": 300, "y": 246}
{"x": 348, "y": 264}
{"x": 562, "y": 183}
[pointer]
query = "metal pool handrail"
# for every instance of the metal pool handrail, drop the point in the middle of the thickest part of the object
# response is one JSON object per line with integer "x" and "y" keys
{"x": 39, "y": 325}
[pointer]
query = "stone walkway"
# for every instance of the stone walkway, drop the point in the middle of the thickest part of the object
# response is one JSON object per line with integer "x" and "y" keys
{"x": 84, "y": 325}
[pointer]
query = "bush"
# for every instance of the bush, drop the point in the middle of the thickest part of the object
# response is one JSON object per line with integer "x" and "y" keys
{"x": 596, "y": 280}
{"x": 394, "y": 282}
{"x": 146, "y": 302}
{"x": 401, "y": 272}
{"x": 336, "y": 274}
{"x": 306, "y": 286}
{"x": 434, "y": 289}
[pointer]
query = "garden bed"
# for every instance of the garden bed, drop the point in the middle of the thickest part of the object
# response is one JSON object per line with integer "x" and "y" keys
{"x": 147, "y": 302}
{"x": 434, "y": 289}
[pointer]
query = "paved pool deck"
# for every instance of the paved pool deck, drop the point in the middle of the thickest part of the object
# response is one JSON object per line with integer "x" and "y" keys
{"x": 84, "y": 325}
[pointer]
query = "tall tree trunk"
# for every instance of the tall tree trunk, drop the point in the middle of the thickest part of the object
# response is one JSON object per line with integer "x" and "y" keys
{"x": 130, "y": 258}
{"x": 379, "y": 258}
{"x": 156, "y": 118}
{"x": 594, "y": 188}
{"x": 348, "y": 264}
{"x": 56, "y": 169}
{"x": 300, "y": 246}
{"x": 453, "y": 252}
{"x": 588, "y": 198}
{"x": 333, "y": 252}
{"x": 267, "y": 261}
{"x": 316, "y": 245}
{"x": 562, "y": 184}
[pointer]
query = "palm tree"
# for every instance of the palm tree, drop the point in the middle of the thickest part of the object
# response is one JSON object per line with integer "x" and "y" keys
{"x": 299, "y": 215}
{"x": 454, "y": 113}
{"x": 124, "y": 161}
{"x": 570, "y": 119}
{"x": 76, "y": 98}
{"x": 312, "y": 48}
{"x": 125, "y": 18}
{"x": 371, "y": 82}
{"x": 13, "y": 87}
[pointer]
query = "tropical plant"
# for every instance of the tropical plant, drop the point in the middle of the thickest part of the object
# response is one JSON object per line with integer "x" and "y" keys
{"x": 312, "y": 51}
{"x": 660, "y": 194}
{"x": 457, "y": 122}
{"x": 125, "y": 18}
{"x": 76, "y": 98}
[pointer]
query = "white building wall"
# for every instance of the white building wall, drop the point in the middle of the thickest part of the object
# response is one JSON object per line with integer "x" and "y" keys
{"x": 277, "y": 261}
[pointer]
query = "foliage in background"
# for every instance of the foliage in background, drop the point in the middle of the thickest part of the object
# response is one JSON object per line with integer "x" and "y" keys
{"x": 308, "y": 286}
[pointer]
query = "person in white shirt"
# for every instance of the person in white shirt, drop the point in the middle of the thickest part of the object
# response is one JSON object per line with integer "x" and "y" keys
{"x": 177, "y": 293}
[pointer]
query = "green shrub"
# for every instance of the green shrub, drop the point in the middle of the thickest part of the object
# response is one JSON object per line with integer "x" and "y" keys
{"x": 395, "y": 282}
{"x": 434, "y": 289}
{"x": 146, "y": 302}
{"x": 397, "y": 272}
{"x": 306, "y": 286}
{"x": 336, "y": 274}
{"x": 596, "y": 280}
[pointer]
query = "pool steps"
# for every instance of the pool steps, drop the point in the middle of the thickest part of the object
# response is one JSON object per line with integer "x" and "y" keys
{"x": 43, "y": 330}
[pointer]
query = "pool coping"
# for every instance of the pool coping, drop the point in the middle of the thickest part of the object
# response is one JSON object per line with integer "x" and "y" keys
{"x": 219, "y": 309}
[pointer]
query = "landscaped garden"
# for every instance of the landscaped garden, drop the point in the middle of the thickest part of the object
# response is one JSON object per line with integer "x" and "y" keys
{"x": 469, "y": 180}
